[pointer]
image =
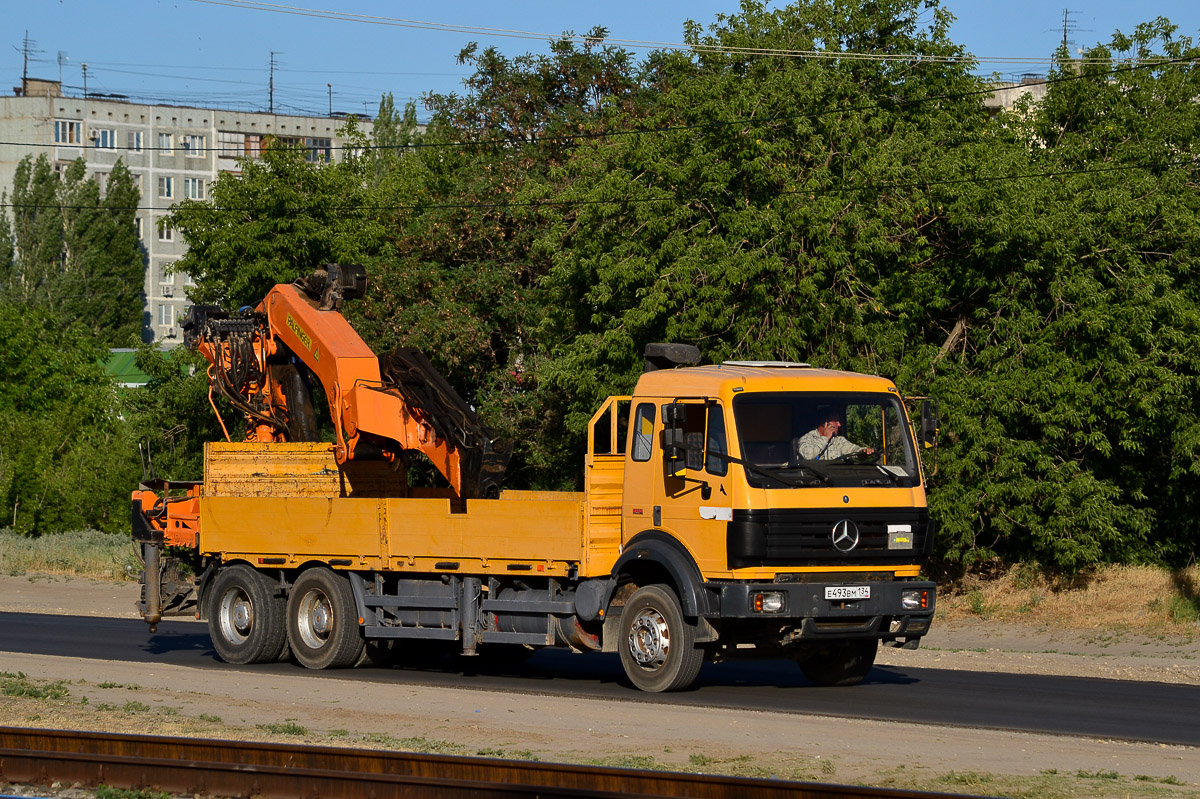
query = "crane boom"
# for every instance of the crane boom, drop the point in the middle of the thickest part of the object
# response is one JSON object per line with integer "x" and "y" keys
{"x": 380, "y": 406}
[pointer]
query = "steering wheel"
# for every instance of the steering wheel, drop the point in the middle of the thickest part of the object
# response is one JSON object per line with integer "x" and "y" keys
{"x": 858, "y": 457}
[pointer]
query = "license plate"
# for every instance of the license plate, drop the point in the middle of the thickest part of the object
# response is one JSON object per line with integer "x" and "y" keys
{"x": 847, "y": 592}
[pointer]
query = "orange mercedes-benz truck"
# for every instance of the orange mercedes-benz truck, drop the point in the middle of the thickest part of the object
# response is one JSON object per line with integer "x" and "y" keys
{"x": 742, "y": 509}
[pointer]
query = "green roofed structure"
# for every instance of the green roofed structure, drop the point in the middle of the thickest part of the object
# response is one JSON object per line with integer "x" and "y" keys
{"x": 122, "y": 366}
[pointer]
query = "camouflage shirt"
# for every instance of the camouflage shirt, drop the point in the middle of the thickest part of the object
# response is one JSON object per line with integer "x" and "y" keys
{"x": 813, "y": 446}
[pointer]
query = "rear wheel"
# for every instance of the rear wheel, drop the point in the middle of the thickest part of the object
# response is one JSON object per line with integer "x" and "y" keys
{"x": 658, "y": 646}
{"x": 322, "y": 621}
{"x": 246, "y": 617}
{"x": 841, "y": 663}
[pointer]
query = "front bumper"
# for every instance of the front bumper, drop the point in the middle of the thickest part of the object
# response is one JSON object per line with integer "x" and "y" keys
{"x": 881, "y": 615}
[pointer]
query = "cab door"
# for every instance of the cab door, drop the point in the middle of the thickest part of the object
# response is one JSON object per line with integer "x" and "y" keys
{"x": 642, "y": 466}
{"x": 695, "y": 496}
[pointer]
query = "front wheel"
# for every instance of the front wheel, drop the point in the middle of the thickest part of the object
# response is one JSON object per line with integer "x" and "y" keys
{"x": 658, "y": 646}
{"x": 841, "y": 663}
{"x": 246, "y": 617}
{"x": 322, "y": 621}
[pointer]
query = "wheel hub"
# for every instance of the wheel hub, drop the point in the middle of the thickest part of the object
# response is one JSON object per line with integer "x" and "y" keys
{"x": 236, "y": 616}
{"x": 649, "y": 639}
{"x": 315, "y": 619}
{"x": 243, "y": 617}
{"x": 320, "y": 620}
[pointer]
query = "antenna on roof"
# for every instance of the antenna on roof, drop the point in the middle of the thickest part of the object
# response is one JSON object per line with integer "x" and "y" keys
{"x": 28, "y": 48}
{"x": 1070, "y": 27}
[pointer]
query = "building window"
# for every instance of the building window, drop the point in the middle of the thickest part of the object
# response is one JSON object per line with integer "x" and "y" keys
{"x": 101, "y": 179}
{"x": 166, "y": 314}
{"x": 193, "y": 145}
{"x": 230, "y": 144}
{"x": 105, "y": 138}
{"x": 140, "y": 227}
{"x": 166, "y": 187}
{"x": 166, "y": 232}
{"x": 166, "y": 143}
{"x": 66, "y": 132}
{"x": 253, "y": 145}
{"x": 133, "y": 141}
{"x": 318, "y": 151}
{"x": 193, "y": 188}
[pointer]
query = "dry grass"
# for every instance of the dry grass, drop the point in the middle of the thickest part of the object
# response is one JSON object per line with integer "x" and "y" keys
{"x": 87, "y": 553}
{"x": 1142, "y": 598}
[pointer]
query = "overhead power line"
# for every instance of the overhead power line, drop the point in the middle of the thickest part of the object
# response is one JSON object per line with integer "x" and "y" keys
{"x": 876, "y": 103}
{"x": 369, "y": 19}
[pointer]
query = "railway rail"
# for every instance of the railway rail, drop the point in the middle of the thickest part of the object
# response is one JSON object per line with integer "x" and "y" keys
{"x": 200, "y": 767}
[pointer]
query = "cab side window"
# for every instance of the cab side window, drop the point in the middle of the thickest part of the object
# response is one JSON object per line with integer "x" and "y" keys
{"x": 715, "y": 443}
{"x": 643, "y": 432}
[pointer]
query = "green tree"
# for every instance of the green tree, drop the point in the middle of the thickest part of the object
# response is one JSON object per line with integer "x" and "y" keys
{"x": 280, "y": 218}
{"x": 37, "y": 231}
{"x": 7, "y": 247}
{"x": 64, "y": 456}
{"x": 391, "y": 134}
{"x": 172, "y": 416}
{"x": 772, "y": 209}
{"x": 460, "y": 279}
{"x": 1071, "y": 385}
{"x": 75, "y": 253}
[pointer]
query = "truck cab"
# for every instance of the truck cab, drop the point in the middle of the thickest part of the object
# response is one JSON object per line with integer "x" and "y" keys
{"x": 775, "y": 538}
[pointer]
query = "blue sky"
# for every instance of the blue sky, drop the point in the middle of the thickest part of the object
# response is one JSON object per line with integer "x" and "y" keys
{"x": 209, "y": 52}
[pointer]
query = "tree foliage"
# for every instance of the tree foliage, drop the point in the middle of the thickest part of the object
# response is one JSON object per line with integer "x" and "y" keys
{"x": 73, "y": 252}
{"x": 62, "y": 438}
{"x": 278, "y": 219}
{"x": 1034, "y": 270}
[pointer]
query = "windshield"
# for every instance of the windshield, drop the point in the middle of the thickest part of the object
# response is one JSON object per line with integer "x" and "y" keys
{"x": 843, "y": 439}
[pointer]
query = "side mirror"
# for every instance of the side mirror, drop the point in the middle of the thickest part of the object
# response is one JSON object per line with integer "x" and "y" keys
{"x": 930, "y": 423}
{"x": 674, "y": 414}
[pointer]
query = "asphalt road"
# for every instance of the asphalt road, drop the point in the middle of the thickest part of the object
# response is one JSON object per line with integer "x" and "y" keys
{"x": 1110, "y": 709}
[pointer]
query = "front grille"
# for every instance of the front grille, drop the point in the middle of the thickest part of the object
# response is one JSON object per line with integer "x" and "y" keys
{"x": 799, "y": 536}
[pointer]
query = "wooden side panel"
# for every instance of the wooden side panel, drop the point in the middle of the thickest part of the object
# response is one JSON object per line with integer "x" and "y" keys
{"x": 298, "y": 469}
{"x": 294, "y": 527}
{"x": 605, "y": 483}
{"x": 508, "y": 529}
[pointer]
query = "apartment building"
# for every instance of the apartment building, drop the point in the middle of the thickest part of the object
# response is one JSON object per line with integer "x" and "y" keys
{"x": 174, "y": 153}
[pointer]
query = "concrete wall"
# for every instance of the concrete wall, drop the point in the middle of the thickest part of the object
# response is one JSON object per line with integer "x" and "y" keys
{"x": 111, "y": 129}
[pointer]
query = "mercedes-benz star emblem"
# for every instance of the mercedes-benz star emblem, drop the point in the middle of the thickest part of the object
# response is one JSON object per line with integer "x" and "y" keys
{"x": 844, "y": 535}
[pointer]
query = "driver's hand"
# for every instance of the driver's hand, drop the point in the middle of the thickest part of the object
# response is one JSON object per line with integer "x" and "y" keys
{"x": 869, "y": 450}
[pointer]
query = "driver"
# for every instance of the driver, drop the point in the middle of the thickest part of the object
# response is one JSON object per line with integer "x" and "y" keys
{"x": 823, "y": 443}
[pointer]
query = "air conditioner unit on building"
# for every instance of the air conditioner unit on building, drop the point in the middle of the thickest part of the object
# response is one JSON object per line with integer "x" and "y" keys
{"x": 170, "y": 332}
{"x": 168, "y": 291}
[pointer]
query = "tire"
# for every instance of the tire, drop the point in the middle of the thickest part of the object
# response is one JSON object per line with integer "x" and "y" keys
{"x": 841, "y": 663}
{"x": 322, "y": 621}
{"x": 246, "y": 617}
{"x": 657, "y": 645}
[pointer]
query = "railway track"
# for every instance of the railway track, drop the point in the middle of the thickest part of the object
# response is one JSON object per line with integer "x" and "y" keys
{"x": 288, "y": 771}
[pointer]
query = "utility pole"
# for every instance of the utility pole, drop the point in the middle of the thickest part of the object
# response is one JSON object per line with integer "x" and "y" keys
{"x": 271, "y": 86}
{"x": 330, "y": 87}
{"x": 84, "y": 65}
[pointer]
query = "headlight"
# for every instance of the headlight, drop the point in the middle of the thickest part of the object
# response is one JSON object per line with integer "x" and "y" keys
{"x": 768, "y": 602}
{"x": 914, "y": 600}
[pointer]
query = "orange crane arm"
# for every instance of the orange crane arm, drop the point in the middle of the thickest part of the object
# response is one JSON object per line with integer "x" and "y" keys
{"x": 407, "y": 407}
